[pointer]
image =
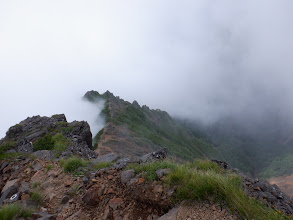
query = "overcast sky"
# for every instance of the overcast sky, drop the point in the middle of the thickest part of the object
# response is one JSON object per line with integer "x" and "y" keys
{"x": 198, "y": 59}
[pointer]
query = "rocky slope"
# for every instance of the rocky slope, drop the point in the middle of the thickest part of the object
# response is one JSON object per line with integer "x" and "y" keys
{"x": 133, "y": 130}
{"x": 113, "y": 192}
{"x": 49, "y": 133}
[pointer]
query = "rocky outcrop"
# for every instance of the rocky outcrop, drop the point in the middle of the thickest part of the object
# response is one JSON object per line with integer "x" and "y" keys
{"x": 151, "y": 157}
{"x": 265, "y": 192}
{"x": 38, "y": 133}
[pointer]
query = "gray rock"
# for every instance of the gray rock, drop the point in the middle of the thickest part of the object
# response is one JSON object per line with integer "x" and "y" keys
{"x": 121, "y": 163}
{"x": 157, "y": 155}
{"x": 8, "y": 193}
{"x": 162, "y": 172}
{"x": 9, "y": 184}
{"x": 32, "y": 129}
{"x": 105, "y": 158}
{"x": 127, "y": 175}
{"x": 44, "y": 154}
{"x": 35, "y": 135}
{"x": 15, "y": 197}
{"x": 24, "y": 187}
{"x": 25, "y": 148}
{"x": 37, "y": 167}
{"x": 85, "y": 180}
{"x": 5, "y": 164}
{"x": 43, "y": 216}
{"x": 65, "y": 199}
{"x": 171, "y": 215}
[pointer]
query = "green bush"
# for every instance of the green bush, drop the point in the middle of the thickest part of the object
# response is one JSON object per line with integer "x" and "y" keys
{"x": 72, "y": 164}
{"x": 44, "y": 143}
{"x": 13, "y": 211}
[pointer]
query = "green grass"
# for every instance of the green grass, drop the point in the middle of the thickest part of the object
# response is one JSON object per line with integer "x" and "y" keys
{"x": 49, "y": 167}
{"x": 13, "y": 211}
{"x": 149, "y": 169}
{"x": 57, "y": 143}
{"x": 60, "y": 144}
{"x": 205, "y": 180}
{"x": 44, "y": 143}
{"x": 72, "y": 164}
{"x": 37, "y": 197}
{"x": 101, "y": 165}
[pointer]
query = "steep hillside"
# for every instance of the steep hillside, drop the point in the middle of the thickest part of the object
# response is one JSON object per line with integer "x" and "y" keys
{"x": 263, "y": 149}
{"x": 133, "y": 130}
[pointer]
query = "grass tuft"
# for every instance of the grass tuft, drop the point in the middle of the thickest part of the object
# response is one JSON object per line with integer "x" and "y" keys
{"x": 72, "y": 164}
{"x": 49, "y": 167}
{"x": 101, "y": 165}
{"x": 149, "y": 169}
{"x": 13, "y": 211}
{"x": 37, "y": 198}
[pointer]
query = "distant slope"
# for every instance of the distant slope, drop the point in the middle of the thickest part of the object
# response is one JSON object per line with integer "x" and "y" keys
{"x": 264, "y": 150}
{"x": 132, "y": 130}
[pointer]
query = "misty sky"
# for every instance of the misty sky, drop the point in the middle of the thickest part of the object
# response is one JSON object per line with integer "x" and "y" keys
{"x": 197, "y": 59}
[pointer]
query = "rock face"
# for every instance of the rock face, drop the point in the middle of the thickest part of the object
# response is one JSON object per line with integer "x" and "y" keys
{"x": 34, "y": 132}
{"x": 157, "y": 155}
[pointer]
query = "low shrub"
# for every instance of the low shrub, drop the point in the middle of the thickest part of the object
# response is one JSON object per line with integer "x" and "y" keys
{"x": 13, "y": 211}
{"x": 72, "y": 164}
{"x": 44, "y": 143}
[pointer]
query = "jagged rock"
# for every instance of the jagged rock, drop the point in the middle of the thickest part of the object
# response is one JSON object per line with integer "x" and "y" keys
{"x": 25, "y": 148}
{"x": 151, "y": 157}
{"x": 115, "y": 203}
{"x": 10, "y": 184}
{"x": 24, "y": 187}
{"x": 37, "y": 167}
{"x": 135, "y": 104}
{"x": 121, "y": 163}
{"x": 65, "y": 199}
{"x": 4, "y": 164}
{"x": 92, "y": 196}
{"x": 43, "y": 216}
{"x": 127, "y": 175}
{"x": 171, "y": 215}
{"x": 8, "y": 193}
{"x": 23, "y": 136}
{"x": 105, "y": 158}
{"x": 162, "y": 172}
{"x": 263, "y": 191}
{"x": 44, "y": 154}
